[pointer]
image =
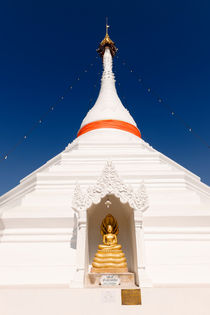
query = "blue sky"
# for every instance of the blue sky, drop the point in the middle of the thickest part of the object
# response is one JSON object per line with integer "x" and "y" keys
{"x": 47, "y": 45}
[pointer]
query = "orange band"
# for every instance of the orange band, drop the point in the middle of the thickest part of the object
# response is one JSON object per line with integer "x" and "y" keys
{"x": 109, "y": 123}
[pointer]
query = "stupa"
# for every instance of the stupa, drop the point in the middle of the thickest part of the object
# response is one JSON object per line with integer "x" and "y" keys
{"x": 50, "y": 224}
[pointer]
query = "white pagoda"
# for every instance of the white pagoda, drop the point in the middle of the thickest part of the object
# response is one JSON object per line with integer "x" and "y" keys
{"x": 50, "y": 222}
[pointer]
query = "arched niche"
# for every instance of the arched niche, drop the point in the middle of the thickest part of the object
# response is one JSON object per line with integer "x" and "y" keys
{"x": 90, "y": 210}
{"x": 126, "y": 237}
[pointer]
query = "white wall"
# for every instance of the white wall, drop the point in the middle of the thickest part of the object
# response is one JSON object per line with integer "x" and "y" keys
{"x": 36, "y": 263}
{"x": 55, "y": 301}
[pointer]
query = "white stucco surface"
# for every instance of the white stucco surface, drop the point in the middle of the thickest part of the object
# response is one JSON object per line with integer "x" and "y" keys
{"x": 108, "y": 104}
{"x": 54, "y": 301}
{"x": 37, "y": 239}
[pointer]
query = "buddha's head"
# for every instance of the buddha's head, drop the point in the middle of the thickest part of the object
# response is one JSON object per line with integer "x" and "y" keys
{"x": 109, "y": 228}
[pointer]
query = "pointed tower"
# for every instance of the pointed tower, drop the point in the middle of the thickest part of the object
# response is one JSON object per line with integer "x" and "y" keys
{"x": 108, "y": 111}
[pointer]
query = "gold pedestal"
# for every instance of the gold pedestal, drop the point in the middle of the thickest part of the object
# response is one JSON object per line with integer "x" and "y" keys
{"x": 109, "y": 261}
{"x": 109, "y": 270}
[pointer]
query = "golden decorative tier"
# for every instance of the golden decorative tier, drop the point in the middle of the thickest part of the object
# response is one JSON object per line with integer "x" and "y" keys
{"x": 109, "y": 270}
{"x": 109, "y": 261}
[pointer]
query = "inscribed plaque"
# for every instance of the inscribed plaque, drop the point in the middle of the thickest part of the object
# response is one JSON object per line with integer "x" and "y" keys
{"x": 110, "y": 279}
{"x": 131, "y": 296}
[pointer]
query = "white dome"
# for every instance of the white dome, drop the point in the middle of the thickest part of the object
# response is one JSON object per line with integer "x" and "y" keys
{"x": 108, "y": 104}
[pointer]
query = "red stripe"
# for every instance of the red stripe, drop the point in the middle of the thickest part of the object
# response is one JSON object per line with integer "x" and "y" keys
{"x": 109, "y": 123}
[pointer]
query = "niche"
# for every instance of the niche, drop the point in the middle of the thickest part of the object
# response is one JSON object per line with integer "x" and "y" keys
{"x": 126, "y": 237}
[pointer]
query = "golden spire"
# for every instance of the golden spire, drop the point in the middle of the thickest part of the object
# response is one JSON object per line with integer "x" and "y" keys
{"x": 107, "y": 42}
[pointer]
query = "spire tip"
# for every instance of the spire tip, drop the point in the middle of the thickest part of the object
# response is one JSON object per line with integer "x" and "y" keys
{"x": 107, "y": 26}
{"x": 107, "y": 42}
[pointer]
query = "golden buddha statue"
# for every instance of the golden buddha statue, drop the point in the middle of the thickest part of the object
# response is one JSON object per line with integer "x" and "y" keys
{"x": 109, "y": 257}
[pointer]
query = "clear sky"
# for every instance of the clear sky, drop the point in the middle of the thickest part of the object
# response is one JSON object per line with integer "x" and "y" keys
{"x": 46, "y": 45}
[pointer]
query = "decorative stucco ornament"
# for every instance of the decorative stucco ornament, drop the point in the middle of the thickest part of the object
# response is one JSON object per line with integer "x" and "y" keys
{"x": 109, "y": 183}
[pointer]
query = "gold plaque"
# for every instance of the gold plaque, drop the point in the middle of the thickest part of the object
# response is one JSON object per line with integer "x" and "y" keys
{"x": 131, "y": 296}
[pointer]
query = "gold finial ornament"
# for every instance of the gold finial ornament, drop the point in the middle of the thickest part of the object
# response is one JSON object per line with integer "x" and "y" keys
{"x": 107, "y": 42}
{"x": 109, "y": 257}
